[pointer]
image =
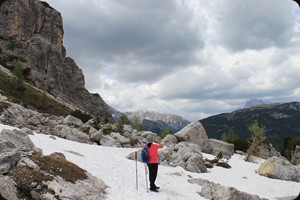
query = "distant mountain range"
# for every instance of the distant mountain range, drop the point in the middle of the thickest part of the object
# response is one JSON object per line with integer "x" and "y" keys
{"x": 154, "y": 121}
{"x": 255, "y": 102}
{"x": 280, "y": 120}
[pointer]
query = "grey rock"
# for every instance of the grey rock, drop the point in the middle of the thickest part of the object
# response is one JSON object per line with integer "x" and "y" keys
{"x": 69, "y": 133}
{"x": 119, "y": 138}
{"x": 70, "y": 120}
{"x": 216, "y": 191}
{"x": 92, "y": 187}
{"x": 7, "y": 188}
{"x": 127, "y": 128}
{"x": 170, "y": 139}
{"x": 220, "y": 146}
{"x": 195, "y": 164}
{"x": 194, "y": 133}
{"x": 279, "y": 168}
{"x": 97, "y": 136}
{"x": 109, "y": 141}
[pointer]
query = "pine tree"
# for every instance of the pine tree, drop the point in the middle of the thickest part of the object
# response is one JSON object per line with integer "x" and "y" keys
{"x": 258, "y": 139}
{"x": 18, "y": 79}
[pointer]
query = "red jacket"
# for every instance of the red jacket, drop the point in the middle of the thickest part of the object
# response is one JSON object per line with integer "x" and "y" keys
{"x": 153, "y": 153}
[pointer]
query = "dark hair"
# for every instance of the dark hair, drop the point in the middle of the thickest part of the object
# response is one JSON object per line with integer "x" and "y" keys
{"x": 149, "y": 145}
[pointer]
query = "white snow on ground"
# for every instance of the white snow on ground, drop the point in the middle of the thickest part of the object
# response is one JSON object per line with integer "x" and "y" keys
{"x": 111, "y": 165}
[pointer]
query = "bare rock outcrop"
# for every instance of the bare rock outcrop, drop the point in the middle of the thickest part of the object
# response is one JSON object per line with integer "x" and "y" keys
{"x": 25, "y": 172}
{"x": 31, "y": 31}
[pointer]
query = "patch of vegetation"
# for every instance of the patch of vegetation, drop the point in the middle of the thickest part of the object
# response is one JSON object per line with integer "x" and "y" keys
{"x": 18, "y": 79}
{"x": 53, "y": 166}
{"x": 31, "y": 98}
{"x": 289, "y": 146}
{"x": 58, "y": 166}
{"x": 81, "y": 115}
{"x": 46, "y": 5}
{"x": 3, "y": 105}
{"x": 233, "y": 138}
{"x": 136, "y": 124}
{"x": 24, "y": 177}
{"x": 124, "y": 119}
{"x": 165, "y": 132}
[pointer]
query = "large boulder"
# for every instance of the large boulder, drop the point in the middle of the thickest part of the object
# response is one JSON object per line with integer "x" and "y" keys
{"x": 108, "y": 141}
{"x": 215, "y": 191}
{"x": 53, "y": 177}
{"x": 73, "y": 134}
{"x": 13, "y": 144}
{"x": 194, "y": 133}
{"x": 8, "y": 189}
{"x": 279, "y": 168}
{"x": 220, "y": 146}
{"x": 184, "y": 154}
{"x": 170, "y": 139}
{"x": 296, "y": 156}
{"x": 73, "y": 121}
{"x": 97, "y": 136}
{"x": 119, "y": 138}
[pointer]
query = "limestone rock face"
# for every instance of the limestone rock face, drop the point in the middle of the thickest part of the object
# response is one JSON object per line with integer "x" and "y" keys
{"x": 31, "y": 31}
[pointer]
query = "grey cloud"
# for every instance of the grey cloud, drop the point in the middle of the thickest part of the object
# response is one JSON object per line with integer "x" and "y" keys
{"x": 256, "y": 24}
{"x": 156, "y": 34}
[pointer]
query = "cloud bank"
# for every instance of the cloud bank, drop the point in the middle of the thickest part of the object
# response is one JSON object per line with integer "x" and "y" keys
{"x": 194, "y": 59}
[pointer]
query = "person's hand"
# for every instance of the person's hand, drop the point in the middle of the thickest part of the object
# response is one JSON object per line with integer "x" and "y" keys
{"x": 157, "y": 140}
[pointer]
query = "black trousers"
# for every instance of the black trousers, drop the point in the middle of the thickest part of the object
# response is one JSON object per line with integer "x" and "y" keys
{"x": 153, "y": 168}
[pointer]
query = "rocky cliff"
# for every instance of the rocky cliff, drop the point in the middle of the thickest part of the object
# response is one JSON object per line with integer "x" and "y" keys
{"x": 155, "y": 121}
{"x": 31, "y": 32}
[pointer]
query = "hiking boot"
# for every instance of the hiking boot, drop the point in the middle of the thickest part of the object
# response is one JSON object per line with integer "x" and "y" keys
{"x": 153, "y": 190}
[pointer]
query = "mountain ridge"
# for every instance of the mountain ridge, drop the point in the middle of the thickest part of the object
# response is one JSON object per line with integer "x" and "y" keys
{"x": 280, "y": 120}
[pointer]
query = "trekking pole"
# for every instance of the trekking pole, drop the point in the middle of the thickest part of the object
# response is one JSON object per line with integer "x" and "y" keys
{"x": 146, "y": 173}
{"x": 136, "y": 172}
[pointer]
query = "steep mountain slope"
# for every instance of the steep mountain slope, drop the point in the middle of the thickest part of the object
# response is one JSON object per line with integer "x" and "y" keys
{"x": 279, "y": 120}
{"x": 31, "y": 32}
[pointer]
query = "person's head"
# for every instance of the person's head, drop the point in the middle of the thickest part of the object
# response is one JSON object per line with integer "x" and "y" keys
{"x": 150, "y": 139}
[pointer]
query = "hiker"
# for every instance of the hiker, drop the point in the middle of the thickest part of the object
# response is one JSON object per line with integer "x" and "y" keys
{"x": 152, "y": 149}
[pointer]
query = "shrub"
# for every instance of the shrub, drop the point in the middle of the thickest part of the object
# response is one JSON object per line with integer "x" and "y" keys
{"x": 137, "y": 125}
{"x": 18, "y": 79}
{"x": 124, "y": 119}
{"x": 258, "y": 138}
{"x": 82, "y": 116}
{"x": 165, "y": 132}
{"x": 289, "y": 145}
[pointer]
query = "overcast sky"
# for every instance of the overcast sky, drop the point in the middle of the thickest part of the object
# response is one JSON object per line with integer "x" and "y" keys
{"x": 193, "y": 58}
